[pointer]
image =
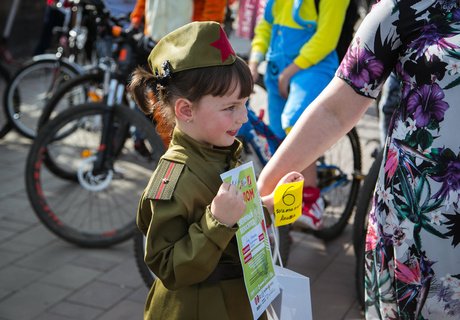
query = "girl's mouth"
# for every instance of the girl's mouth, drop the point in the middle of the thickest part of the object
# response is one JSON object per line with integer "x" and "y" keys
{"x": 232, "y": 132}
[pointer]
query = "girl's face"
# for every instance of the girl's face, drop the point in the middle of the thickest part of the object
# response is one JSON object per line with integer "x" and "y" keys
{"x": 216, "y": 120}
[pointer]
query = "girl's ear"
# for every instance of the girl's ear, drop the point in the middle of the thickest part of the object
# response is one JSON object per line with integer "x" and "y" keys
{"x": 183, "y": 109}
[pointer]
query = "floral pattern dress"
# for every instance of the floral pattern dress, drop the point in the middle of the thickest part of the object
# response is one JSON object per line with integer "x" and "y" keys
{"x": 412, "y": 245}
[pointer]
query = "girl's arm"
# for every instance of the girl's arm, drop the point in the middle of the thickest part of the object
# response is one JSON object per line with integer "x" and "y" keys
{"x": 330, "y": 116}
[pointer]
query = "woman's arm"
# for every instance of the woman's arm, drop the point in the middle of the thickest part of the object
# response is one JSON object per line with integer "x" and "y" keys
{"x": 330, "y": 116}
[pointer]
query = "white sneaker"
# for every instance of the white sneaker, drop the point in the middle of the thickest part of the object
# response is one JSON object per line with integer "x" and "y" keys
{"x": 312, "y": 218}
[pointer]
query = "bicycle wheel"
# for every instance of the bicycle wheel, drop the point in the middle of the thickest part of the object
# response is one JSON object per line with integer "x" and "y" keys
{"x": 77, "y": 91}
{"x": 139, "y": 245}
{"x": 363, "y": 207}
{"x": 5, "y": 125}
{"x": 339, "y": 180}
{"x": 29, "y": 90}
{"x": 95, "y": 209}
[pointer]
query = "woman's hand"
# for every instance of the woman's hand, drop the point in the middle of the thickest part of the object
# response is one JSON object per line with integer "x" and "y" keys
{"x": 284, "y": 79}
{"x": 228, "y": 205}
{"x": 287, "y": 178}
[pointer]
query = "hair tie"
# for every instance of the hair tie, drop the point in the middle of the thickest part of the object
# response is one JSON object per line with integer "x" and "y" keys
{"x": 163, "y": 79}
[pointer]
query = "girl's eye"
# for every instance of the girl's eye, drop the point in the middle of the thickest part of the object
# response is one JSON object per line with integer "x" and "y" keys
{"x": 231, "y": 108}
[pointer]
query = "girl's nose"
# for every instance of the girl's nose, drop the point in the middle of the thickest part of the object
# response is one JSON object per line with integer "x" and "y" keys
{"x": 243, "y": 115}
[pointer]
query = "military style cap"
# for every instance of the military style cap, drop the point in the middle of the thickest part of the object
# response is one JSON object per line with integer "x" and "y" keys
{"x": 195, "y": 45}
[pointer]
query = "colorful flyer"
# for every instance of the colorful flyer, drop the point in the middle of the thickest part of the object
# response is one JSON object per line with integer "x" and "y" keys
{"x": 253, "y": 243}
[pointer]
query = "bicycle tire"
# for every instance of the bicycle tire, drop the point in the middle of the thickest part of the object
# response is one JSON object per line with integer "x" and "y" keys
{"x": 344, "y": 170}
{"x": 139, "y": 244}
{"x": 363, "y": 208}
{"x": 5, "y": 124}
{"x": 90, "y": 212}
{"x": 29, "y": 89}
{"x": 81, "y": 89}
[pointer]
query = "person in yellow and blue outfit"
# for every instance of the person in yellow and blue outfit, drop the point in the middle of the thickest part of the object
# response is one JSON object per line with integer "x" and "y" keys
{"x": 298, "y": 40}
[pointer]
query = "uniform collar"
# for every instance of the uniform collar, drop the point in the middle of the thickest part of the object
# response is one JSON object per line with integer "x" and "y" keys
{"x": 206, "y": 152}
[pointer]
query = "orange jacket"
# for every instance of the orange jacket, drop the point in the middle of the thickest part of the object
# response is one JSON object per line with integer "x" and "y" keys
{"x": 203, "y": 10}
{"x": 209, "y": 10}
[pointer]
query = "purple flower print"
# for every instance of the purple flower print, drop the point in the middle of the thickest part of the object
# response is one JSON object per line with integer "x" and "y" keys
{"x": 431, "y": 35}
{"x": 447, "y": 4}
{"x": 405, "y": 79}
{"x": 361, "y": 67}
{"x": 456, "y": 15}
{"x": 426, "y": 103}
{"x": 449, "y": 177}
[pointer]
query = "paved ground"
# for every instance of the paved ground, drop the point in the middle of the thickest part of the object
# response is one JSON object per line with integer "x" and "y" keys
{"x": 45, "y": 278}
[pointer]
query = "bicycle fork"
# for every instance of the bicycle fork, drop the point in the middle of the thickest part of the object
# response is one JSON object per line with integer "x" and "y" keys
{"x": 113, "y": 95}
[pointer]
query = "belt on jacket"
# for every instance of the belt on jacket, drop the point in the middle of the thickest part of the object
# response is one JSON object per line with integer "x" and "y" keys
{"x": 224, "y": 272}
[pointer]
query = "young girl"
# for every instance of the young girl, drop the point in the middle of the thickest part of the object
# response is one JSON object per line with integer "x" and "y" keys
{"x": 187, "y": 214}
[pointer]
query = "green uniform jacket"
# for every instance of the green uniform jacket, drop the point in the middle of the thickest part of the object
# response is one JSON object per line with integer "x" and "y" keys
{"x": 184, "y": 243}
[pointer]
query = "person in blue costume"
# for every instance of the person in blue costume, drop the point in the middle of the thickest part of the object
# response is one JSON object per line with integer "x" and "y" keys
{"x": 298, "y": 41}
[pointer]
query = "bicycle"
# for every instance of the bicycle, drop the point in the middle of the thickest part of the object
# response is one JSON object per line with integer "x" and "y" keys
{"x": 36, "y": 81}
{"x": 259, "y": 144}
{"x": 6, "y": 59}
{"x": 5, "y": 124}
{"x": 87, "y": 164}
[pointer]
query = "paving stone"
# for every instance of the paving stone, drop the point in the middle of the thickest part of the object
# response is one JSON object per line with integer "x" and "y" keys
{"x": 355, "y": 312}
{"x": 16, "y": 226}
{"x": 99, "y": 294}
{"x": 31, "y": 301}
{"x": 94, "y": 261}
{"x": 74, "y": 311}
{"x": 125, "y": 310}
{"x": 70, "y": 276}
{"x": 14, "y": 278}
{"x": 6, "y": 234}
{"x": 50, "y": 316}
{"x": 8, "y": 257}
{"x": 51, "y": 256}
{"x": 4, "y": 293}
{"x": 17, "y": 208}
{"x": 139, "y": 295}
{"x": 11, "y": 189}
{"x": 38, "y": 235}
{"x": 12, "y": 245}
{"x": 125, "y": 274}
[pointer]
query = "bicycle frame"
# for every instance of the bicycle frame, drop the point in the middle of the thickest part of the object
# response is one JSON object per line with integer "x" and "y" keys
{"x": 265, "y": 142}
{"x": 259, "y": 136}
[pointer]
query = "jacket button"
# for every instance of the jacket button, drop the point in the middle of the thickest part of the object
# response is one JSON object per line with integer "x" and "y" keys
{"x": 165, "y": 180}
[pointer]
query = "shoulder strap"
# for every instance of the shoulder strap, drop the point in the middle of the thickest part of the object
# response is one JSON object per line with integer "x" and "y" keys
{"x": 164, "y": 181}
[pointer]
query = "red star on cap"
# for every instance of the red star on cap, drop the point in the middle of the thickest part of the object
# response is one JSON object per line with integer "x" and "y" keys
{"x": 224, "y": 46}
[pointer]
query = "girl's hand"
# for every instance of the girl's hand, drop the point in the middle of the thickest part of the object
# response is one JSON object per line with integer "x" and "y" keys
{"x": 289, "y": 177}
{"x": 228, "y": 205}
